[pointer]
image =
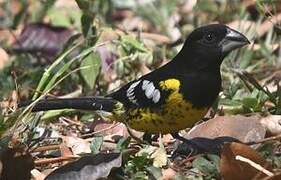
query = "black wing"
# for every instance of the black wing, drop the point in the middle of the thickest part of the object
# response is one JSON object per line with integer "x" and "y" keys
{"x": 145, "y": 91}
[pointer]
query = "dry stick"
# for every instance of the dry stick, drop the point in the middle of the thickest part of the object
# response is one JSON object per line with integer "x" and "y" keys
{"x": 54, "y": 160}
{"x": 254, "y": 165}
{"x": 188, "y": 159}
{"x": 155, "y": 37}
{"x": 96, "y": 132}
{"x": 71, "y": 122}
{"x": 264, "y": 140}
{"x": 45, "y": 148}
{"x": 267, "y": 25}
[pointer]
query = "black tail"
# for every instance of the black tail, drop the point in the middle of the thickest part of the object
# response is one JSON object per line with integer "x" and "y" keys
{"x": 82, "y": 103}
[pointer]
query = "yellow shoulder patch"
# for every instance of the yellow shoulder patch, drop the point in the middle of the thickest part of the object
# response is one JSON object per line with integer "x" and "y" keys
{"x": 168, "y": 84}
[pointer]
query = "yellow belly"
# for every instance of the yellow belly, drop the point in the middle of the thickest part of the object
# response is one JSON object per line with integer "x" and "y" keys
{"x": 168, "y": 119}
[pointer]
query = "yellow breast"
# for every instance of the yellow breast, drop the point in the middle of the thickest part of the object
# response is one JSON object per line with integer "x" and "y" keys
{"x": 176, "y": 114}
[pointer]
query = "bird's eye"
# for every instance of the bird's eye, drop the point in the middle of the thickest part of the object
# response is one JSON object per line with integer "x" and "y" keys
{"x": 209, "y": 38}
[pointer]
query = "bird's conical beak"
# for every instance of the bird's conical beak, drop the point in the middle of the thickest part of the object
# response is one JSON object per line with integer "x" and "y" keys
{"x": 233, "y": 40}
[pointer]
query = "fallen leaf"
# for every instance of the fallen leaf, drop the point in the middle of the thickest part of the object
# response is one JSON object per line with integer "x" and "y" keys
{"x": 159, "y": 157}
{"x": 268, "y": 24}
{"x": 37, "y": 175}
{"x": 88, "y": 167}
{"x": 108, "y": 128}
{"x": 245, "y": 24}
{"x": 274, "y": 177}
{"x": 272, "y": 123}
{"x": 42, "y": 39}
{"x": 188, "y": 6}
{"x": 244, "y": 129}
{"x": 168, "y": 174}
{"x": 4, "y": 58}
{"x": 231, "y": 168}
{"x": 65, "y": 151}
{"x": 77, "y": 145}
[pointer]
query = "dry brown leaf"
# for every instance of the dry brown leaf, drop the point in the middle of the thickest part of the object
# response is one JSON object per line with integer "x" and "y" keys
{"x": 4, "y": 58}
{"x": 167, "y": 138}
{"x": 46, "y": 172}
{"x": 168, "y": 174}
{"x": 273, "y": 47}
{"x": 65, "y": 151}
{"x": 188, "y": 6}
{"x": 109, "y": 35}
{"x": 243, "y": 128}
{"x": 133, "y": 23}
{"x": 66, "y": 4}
{"x": 77, "y": 145}
{"x": 268, "y": 24}
{"x": 232, "y": 169}
{"x": 272, "y": 123}
{"x": 159, "y": 157}
{"x": 37, "y": 175}
{"x": 274, "y": 177}
{"x": 263, "y": 28}
{"x": 241, "y": 23}
{"x": 108, "y": 128}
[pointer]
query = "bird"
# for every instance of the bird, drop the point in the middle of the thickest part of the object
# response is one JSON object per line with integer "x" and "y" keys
{"x": 173, "y": 97}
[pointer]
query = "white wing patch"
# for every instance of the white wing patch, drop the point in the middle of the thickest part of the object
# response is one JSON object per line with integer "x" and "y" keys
{"x": 130, "y": 92}
{"x": 156, "y": 96}
{"x": 150, "y": 91}
{"x": 144, "y": 84}
{"x": 148, "y": 88}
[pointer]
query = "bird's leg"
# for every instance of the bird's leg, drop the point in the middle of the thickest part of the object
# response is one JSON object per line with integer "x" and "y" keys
{"x": 147, "y": 137}
{"x": 140, "y": 141}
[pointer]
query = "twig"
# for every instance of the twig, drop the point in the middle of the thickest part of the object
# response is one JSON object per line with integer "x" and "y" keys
{"x": 254, "y": 165}
{"x": 187, "y": 159}
{"x": 54, "y": 160}
{"x": 268, "y": 24}
{"x": 45, "y": 148}
{"x": 102, "y": 130}
{"x": 264, "y": 140}
{"x": 155, "y": 37}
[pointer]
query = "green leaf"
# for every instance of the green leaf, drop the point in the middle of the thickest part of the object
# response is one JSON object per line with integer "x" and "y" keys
{"x": 266, "y": 149}
{"x": 58, "y": 18}
{"x": 215, "y": 159}
{"x": 96, "y": 144}
{"x": 250, "y": 102}
{"x": 207, "y": 167}
{"x": 123, "y": 143}
{"x": 132, "y": 41}
{"x": 87, "y": 22}
{"x": 84, "y": 5}
{"x": 54, "y": 113}
{"x": 155, "y": 172}
{"x": 86, "y": 118}
{"x": 90, "y": 68}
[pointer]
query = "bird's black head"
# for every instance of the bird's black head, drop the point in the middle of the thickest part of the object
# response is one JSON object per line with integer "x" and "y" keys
{"x": 210, "y": 44}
